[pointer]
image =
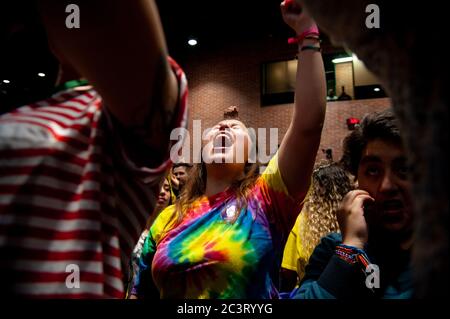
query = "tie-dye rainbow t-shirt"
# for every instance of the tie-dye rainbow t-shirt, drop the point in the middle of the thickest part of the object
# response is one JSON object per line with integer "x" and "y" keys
{"x": 211, "y": 254}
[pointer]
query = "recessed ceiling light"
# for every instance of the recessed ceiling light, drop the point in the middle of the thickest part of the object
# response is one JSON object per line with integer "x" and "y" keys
{"x": 192, "y": 42}
{"x": 342, "y": 60}
{"x": 6, "y": 81}
{"x": 377, "y": 89}
{"x": 41, "y": 74}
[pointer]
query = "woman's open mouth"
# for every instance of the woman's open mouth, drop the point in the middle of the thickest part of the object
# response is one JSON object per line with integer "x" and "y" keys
{"x": 222, "y": 141}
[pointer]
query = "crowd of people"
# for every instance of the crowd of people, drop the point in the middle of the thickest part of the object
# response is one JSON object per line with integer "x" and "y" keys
{"x": 86, "y": 180}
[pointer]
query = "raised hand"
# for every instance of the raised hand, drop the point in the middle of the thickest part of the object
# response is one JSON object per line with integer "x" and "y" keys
{"x": 295, "y": 17}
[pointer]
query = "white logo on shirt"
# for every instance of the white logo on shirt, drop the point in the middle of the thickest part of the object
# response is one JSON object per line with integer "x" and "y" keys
{"x": 230, "y": 212}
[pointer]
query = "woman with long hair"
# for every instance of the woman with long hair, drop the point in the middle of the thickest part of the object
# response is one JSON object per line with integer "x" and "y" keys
{"x": 318, "y": 218}
{"x": 165, "y": 198}
{"x": 225, "y": 237}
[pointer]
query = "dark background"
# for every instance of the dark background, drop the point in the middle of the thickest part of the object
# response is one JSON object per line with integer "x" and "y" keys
{"x": 24, "y": 51}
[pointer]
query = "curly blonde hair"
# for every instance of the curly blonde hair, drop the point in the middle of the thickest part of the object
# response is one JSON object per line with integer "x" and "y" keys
{"x": 330, "y": 184}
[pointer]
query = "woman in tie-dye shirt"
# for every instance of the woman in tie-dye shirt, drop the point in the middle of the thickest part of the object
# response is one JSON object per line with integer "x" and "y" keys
{"x": 225, "y": 236}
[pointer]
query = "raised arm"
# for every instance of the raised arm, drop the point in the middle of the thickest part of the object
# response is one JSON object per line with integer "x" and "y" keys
{"x": 120, "y": 49}
{"x": 299, "y": 146}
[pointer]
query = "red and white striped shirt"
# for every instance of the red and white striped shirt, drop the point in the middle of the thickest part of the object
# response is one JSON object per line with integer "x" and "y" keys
{"x": 70, "y": 199}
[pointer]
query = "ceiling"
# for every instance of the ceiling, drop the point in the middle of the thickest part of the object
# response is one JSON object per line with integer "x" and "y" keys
{"x": 220, "y": 20}
{"x": 25, "y": 53}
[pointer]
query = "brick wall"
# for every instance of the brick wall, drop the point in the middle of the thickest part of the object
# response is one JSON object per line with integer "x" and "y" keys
{"x": 335, "y": 128}
{"x": 230, "y": 75}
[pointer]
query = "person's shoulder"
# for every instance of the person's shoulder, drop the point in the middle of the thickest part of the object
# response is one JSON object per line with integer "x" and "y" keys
{"x": 271, "y": 176}
{"x": 66, "y": 113}
{"x": 333, "y": 237}
{"x": 166, "y": 214}
{"x": 330, "y": 241}
{"x": 324, "y": 250}
{"x": 61, "y": 110}
{"x": 272, "y": 166}
{"x": 163, "y": 221}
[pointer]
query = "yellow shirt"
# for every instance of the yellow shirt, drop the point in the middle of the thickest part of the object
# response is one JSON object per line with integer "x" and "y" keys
{"x": 295, "y": 256}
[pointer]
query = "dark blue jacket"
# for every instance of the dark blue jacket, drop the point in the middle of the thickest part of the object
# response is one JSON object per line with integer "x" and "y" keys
{"x": 328, "y": 277}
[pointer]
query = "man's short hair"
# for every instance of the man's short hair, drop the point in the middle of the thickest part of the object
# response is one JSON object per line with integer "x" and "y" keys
{"x": 379, "y": 125}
